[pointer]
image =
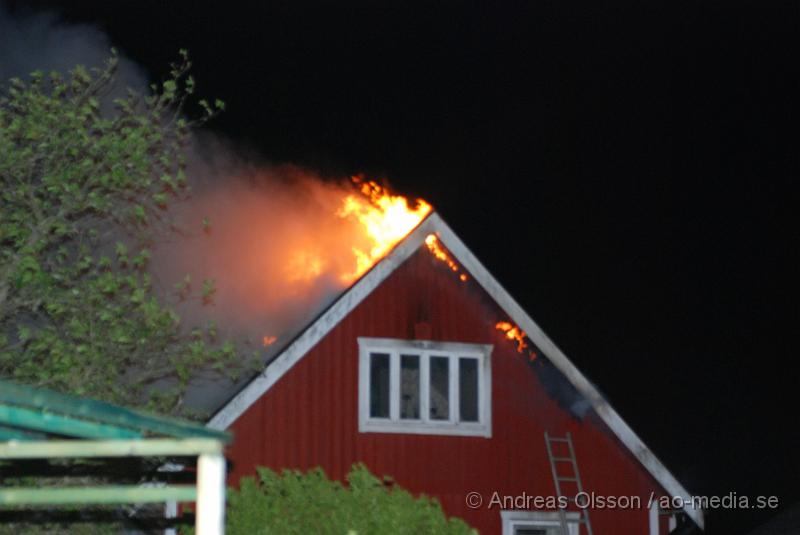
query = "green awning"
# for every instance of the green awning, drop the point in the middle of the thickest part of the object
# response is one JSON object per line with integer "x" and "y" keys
{"x": 28, "y": 413}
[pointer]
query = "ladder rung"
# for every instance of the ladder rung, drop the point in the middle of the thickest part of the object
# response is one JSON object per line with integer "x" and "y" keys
{"x": 573, "y": 479}
{"x": 556, "y": 439}
{"x": 562, "y": 459}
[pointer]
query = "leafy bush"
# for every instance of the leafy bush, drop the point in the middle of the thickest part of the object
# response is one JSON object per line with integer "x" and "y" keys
{"x": 293, "y": 502}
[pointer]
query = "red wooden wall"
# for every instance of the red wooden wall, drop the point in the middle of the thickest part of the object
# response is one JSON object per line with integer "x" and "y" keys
{"x": 310, "y": 417}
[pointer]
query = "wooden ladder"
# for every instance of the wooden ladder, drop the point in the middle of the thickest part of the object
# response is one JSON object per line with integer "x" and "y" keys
{"x": 573, "y": 478}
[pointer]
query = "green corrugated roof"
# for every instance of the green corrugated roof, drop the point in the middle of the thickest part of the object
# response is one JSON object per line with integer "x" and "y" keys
{"x": 28, "y": 413}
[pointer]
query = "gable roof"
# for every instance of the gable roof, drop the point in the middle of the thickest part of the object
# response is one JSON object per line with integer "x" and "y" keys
{"x": 434, "y": 224}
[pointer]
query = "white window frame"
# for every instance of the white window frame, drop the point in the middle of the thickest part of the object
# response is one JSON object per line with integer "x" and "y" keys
{"x": 548, "y": 520}
{"x": 425, "y": 349}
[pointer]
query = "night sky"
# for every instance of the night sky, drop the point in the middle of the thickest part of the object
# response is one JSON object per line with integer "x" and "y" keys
{"x": 623, "y": 168}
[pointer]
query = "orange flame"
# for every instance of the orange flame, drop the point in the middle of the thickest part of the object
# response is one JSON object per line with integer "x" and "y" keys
{"x": 436, "y": 249}
{"x": 304, "y": 266}
{"x": 513, "y": 332}
{"x": 385, "y": 218}
{"x": 269, "y": 340}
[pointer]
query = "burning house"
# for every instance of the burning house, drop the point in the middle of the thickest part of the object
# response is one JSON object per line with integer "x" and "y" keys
{"x": 427, "y": 370}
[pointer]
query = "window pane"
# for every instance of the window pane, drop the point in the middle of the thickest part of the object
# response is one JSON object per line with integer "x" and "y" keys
{"x": 468, "y": 389}
{"x": 409, "y": 387}
{"x": 379, "y": 385}
{"x": 440, "y": 391}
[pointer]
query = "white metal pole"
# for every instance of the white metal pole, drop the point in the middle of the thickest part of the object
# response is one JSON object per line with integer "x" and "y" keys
{"x": 653, "y": 518}
{"x": 170, "y": 511}
{"x": 210, "y": 513}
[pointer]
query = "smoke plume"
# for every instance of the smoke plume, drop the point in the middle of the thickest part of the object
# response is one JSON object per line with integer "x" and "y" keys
{"x": 267, "y": 235}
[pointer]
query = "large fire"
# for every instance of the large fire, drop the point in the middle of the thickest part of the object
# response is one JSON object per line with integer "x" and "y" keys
{"x": 385, "y": 218}
{"x": 281, "y": 243}
{"x": 374, "y": 220}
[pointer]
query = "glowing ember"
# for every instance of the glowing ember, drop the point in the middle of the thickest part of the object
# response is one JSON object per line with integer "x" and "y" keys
{"x": 436, "y": 249}
{"x": 513, "y": 332}
{"x": 385, "y": 218}
{"x": 269, "y": 340}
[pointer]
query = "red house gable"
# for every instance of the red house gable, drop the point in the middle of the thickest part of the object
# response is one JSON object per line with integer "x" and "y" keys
{"x": 474, "y": 431}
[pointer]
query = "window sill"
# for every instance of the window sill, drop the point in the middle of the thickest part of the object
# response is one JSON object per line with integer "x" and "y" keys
{"x": 426, "y": 428}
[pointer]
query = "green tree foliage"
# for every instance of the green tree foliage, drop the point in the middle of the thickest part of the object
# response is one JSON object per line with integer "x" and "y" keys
{"x": 311, "y": 503}
{"x": 85, "y": 183}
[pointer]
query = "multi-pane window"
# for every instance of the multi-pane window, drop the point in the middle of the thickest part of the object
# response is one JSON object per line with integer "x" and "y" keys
{"x": 411, "y": 386}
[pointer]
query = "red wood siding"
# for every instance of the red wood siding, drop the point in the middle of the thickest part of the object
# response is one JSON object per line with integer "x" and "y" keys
{"x": 310, "y": 417}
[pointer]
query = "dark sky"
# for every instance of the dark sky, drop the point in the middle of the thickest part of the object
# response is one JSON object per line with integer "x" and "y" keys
{"x": 623, "y": 168}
